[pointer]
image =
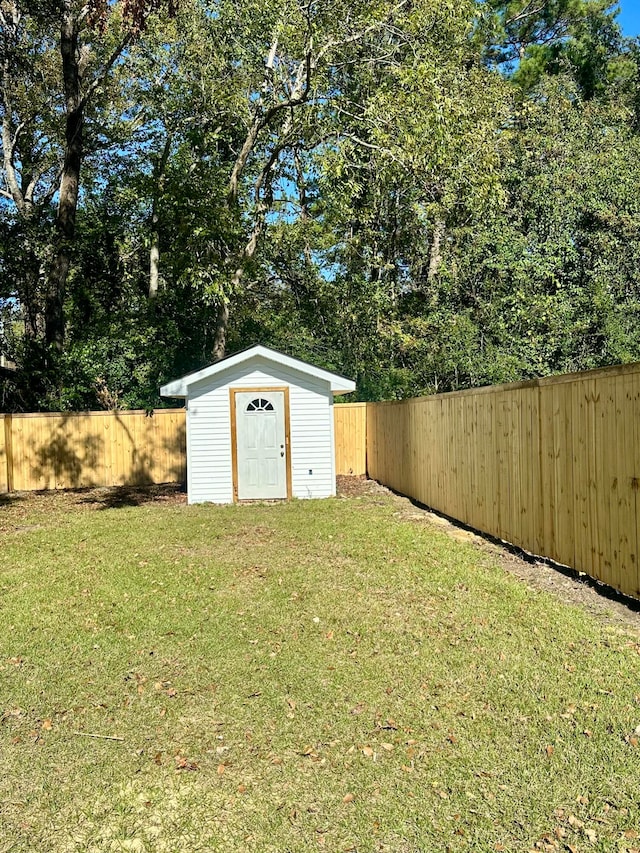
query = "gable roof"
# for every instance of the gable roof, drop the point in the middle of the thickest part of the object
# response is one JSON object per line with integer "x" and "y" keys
{"x": 180, "y": 387}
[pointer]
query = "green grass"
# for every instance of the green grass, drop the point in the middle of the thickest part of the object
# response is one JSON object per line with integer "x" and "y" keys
{"x": 315, "y": 675}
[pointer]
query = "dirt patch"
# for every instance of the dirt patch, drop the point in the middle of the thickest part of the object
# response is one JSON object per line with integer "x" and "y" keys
{"x": 571, "y": 587}
{"x": 360, "y": 486}
{"x": 18, "y": 504}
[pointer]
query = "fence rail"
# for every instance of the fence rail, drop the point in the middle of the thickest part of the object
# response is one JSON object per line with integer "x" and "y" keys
{"x": 74, "y": 450}
{"x": 551, "y": 465}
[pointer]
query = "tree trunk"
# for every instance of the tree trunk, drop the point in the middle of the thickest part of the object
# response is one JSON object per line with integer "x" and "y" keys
{"x": 220, "y": 340}
{"x": 69, "y": 181}
{"x": 154, "y": 252}
{"x": 298, "y": 95}
{"x": 435, "y": 254}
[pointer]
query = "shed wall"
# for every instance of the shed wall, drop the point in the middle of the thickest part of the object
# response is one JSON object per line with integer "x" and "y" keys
{"x": 209, "y": 432}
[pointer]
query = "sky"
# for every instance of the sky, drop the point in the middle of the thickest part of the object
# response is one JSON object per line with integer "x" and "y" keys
{"x": 630, "y": 17}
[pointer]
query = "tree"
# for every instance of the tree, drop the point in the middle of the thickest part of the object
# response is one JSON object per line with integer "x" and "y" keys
{"x": 531, "y": 39}
{"x": 55, "y": 58}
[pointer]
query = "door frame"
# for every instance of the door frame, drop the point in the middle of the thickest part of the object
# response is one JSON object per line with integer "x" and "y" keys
{"x": 234, "y": 433}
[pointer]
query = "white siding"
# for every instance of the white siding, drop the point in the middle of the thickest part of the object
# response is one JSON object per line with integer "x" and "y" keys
{"x": 209, "y": 431}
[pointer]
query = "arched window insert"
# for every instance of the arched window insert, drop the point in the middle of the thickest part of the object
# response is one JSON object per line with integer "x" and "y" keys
{"x": 260, "y": 405}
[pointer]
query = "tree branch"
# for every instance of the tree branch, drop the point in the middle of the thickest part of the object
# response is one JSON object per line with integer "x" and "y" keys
{"x": 527, "y": 12}
{"x": 106, "y": 68}
{"x": 299, "y": 95}
{"x": 9, "y": 144}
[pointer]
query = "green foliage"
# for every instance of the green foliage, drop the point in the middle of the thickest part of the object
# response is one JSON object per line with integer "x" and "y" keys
{"x": 453, "y": 201}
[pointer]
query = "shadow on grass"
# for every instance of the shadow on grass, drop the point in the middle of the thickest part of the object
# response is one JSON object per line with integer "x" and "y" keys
{"x": 8, "y": 499}
{"x": 117, "y": 497}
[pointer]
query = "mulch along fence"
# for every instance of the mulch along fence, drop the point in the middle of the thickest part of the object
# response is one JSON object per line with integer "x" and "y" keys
{"x": 75, "y": 450}
{"x": 551, "y": 465}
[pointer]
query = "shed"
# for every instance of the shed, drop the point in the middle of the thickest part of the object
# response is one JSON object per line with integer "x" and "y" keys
{"x": 259, "y": 427}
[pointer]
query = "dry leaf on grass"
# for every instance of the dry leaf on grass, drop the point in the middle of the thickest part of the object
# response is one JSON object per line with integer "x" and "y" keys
{"x": 183, "y": 763}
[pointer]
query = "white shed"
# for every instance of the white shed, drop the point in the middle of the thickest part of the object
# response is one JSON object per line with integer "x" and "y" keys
{"x": 259, "y": 427}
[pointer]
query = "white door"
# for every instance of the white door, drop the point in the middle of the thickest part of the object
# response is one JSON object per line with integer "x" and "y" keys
{"x": 261, "y": 444}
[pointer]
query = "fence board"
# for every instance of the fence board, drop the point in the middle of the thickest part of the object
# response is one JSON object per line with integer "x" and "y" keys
{"x": 350, "y": 438}
{"x": 551, "y": 465}
{"x": 5, "y": 453}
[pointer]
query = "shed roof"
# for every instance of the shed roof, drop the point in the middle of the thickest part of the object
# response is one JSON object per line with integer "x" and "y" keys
{"x": 180, "y": 387}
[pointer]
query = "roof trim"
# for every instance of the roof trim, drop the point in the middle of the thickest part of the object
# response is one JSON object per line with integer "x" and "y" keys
{"x": 180, "y": 387}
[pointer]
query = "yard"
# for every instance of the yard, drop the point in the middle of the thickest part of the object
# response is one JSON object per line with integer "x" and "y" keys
{"x": 302, "y": 676}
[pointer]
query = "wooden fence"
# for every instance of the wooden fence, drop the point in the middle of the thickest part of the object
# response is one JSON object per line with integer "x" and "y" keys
{"x": 69, "y": 451}
{"x": 350, "y": 422}
{"x": 550, "y": 465}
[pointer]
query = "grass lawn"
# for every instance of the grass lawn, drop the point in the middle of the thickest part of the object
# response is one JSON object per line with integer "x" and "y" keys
{"x": 304, "y": 676}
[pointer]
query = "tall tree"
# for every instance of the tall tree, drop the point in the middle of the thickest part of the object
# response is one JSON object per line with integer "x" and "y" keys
{"x": 56, "y": 55}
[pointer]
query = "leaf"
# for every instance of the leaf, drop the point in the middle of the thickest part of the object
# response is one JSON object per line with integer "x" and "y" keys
{"x": 348, "y": 798}
{"x": 549, "y": 750}
{"x": 183, "y": 763}
{"x": 47, "y": 725}
{"x": 591, "y": 835}
{"x": 367, "y": 751}
{"x": 221, "y": 769}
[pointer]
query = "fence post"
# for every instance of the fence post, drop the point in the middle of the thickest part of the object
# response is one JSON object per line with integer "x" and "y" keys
{"x": 8, "y": 450}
